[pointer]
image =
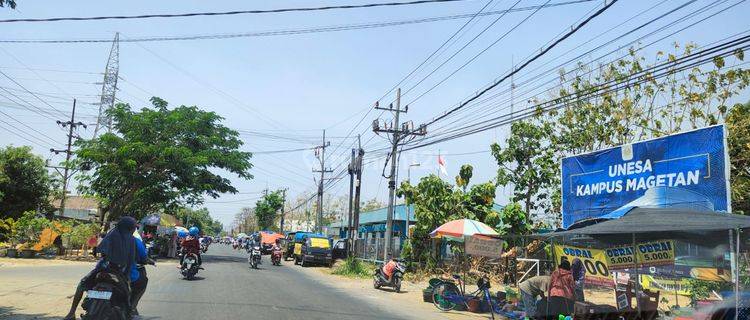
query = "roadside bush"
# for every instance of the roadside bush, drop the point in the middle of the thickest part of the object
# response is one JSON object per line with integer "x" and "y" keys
{"x": 29, "y": 228}
{"x": 702, "y": 289}
{"x": 354, "y": 268}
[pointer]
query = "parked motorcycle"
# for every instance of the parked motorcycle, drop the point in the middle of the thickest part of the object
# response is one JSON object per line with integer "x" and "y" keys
{"x": 276, "y": 256}
{"x": 108, "y": 300}
{"x": 254, "y": 258}
{"x": 380, "y": 280}
{"x": 189, "y": 266}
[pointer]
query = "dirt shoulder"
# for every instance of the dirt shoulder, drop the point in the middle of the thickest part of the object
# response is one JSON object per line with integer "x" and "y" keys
{"x": 409, "y": 300}
{"x": 19, "y": 262}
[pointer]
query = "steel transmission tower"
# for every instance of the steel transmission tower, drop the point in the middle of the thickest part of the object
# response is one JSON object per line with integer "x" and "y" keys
{"x": 109, "y": 86}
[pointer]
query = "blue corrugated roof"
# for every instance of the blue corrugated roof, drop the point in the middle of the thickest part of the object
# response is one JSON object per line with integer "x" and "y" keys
{"x": 380, "y": 215}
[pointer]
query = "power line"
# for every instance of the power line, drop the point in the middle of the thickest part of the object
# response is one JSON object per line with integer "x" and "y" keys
{"x": 536, "y": 77}
{"x": 467, "y": 44}
{"x": 297, "y": 31}
{"x": 227, "y": 13}
{"x": 444, "y": 44}
{"x": 515, "y": 70}
{"x": 279, "y": 151}
{"x": 33, "y": 94}
{"x": 658, "y": 71}
{"x": 216, "y": 90}
{"x": 551, "y": 70}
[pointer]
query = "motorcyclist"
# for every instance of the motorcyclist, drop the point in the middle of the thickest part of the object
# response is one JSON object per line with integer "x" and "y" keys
{"x": 276, "y": 245}
{"x": 253, "y": 242}
{"x": 118, "y": 250}
{"x": 138, "y": 278}
{"x": 190, "y": 245}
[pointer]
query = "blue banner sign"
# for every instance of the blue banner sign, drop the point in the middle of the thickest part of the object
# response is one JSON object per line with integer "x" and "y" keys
{"x": 687, "y": 170}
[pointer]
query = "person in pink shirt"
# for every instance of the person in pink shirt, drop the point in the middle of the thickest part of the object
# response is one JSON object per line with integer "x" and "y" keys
{"x": 561, "y": 290}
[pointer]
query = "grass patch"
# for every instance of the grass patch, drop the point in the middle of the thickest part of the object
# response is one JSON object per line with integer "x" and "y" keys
{"x": 354, "y": 268}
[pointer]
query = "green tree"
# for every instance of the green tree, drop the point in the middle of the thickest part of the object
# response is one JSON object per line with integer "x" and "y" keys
{"x": 266, "y": 209}
{"x": 9, "y": 3}
{"x": 528, "y": 163}
{"x": 24, "y": 182}
{"x": 592, "y": 118}
{"x": 370, "y": 205}
{"x": 514, "y": 221}
{"x": 161, "y": 159}
{"x": 190, "y": 217}
{"x": 738, "y": 140}
{"x": 437, "y": 202}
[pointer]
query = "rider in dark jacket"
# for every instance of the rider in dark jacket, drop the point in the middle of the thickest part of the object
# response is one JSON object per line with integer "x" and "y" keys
{"x": 118, "y": 251}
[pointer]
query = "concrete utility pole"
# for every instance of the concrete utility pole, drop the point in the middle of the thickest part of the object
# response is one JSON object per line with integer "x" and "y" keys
{"x": 281, "y": 227}
{"x": 357, "y": 192}
{"x": 320, "y": 153}
{"x": 398, "y": 131}
{"x": 350, "y": 223}
{"x": 67, "y": 170}
{"x": 355, "y": 176}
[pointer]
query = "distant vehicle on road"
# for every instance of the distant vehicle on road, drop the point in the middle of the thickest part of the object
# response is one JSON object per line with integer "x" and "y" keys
{"x": 315, "y": 248}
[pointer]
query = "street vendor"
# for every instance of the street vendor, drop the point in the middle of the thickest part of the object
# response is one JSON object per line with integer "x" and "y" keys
{"x": 531, "y": 289}
{"x": 579, "y": 277}
{"x": 562, "y": 290}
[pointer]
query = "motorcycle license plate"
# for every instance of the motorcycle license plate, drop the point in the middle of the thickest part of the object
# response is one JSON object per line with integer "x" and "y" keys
{"x": 256, "y": 252}
{"x": 101, "y": 295}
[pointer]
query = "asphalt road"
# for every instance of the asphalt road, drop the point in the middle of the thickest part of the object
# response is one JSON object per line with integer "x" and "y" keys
{"x": 229, "y": 289}
{"x": 226, "y": 289}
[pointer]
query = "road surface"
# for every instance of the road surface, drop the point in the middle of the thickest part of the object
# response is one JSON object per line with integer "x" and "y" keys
{"x": 227, "y": 289}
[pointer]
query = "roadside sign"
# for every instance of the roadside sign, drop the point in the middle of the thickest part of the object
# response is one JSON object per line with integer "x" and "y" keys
{"x": 653, "y": 253}
{"x": 688, "y": 170}
{"x": 484, "y": 246}
{"x": 594, "y": 260}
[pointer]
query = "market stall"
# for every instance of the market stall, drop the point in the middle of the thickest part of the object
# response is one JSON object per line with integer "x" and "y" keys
{"x": 160, "y": 234}
{"x": 647, "y": 244}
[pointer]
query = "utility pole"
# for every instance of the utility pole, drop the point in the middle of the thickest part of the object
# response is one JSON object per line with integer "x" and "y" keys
{"x": 67, "y": 171}
{"x": 357, "y": 191}
{"x": 320, "y": 153}
{"x": 350, "y": 223}
{"x": 281, "y": 227}
{"x": 398, "y": 131}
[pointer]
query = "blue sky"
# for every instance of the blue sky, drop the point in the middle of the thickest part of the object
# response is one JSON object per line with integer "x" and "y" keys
{"x": 294, "y": 86}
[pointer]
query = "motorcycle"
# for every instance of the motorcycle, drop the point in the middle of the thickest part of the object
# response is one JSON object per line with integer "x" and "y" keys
{"x": 189, "y": 266}
{"x": 276, "y": 256}
{"x": 109, "y": 299}
{"x": 151, "y": 250}
{"x": 380, "y": 280}
{"x": 204, "y": 247}
{"x": 254, "y": 258}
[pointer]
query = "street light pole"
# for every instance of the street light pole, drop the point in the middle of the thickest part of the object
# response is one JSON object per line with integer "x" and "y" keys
{"x": 408, "y": 209}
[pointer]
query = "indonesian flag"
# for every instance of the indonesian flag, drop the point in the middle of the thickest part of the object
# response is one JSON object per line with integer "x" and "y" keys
{"x": 441, "y": 165}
